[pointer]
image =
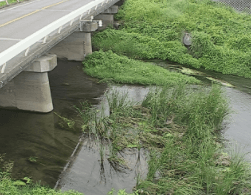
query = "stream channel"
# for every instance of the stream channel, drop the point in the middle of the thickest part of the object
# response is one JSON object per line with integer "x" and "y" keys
{"x": 45, "y": 151}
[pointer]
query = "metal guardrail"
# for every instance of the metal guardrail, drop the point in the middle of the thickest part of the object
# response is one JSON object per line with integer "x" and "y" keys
{"x": 42, "y": 34}
{"x": 239, "y": 5}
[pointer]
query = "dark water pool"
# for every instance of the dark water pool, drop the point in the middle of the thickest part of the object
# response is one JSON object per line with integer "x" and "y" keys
{"x": 26, "y": 137}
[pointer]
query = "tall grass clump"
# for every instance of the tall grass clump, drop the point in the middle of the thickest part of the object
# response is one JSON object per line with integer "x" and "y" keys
{"x": 191, "y": 160}
{"x": 121, "y": 69}
{"x": 153, "y": 29}
{"x": 180, "y": 128}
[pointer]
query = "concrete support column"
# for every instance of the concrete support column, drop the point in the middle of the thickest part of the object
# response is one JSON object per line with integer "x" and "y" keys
{"x": 107, "y": 16}
{"x": 78, "y": 44}
{"x": 30, "y": 90}
{"x": 74, "y": 47}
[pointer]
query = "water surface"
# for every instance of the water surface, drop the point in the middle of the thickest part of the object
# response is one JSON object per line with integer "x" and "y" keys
{"x": 25, "y": 136}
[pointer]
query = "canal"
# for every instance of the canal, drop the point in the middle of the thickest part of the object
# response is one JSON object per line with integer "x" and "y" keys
{"x": 40, "y": 145}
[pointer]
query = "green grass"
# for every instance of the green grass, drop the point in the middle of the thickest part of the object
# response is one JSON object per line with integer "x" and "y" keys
{"x": 3, "y": 3}
{"x": 112, "y": 67}
{"x": 25, "y": 187}
{"x": 153, "y": 29}
{"x": 7, "y": 186}
{"x": 180, "y": 127}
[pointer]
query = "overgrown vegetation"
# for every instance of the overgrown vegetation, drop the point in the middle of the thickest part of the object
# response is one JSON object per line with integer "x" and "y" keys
{"x": 180, "y": 128}
{"x": 112, "y": 67}
{"x": 154, "y": 28}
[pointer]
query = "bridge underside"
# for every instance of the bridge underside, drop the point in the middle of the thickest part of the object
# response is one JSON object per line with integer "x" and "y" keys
{"x": 78, "y": 44}
{"x": 30, "y": 90}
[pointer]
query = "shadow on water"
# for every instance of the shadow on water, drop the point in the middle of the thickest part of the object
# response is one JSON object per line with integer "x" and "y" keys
{"x": 35, "y": 142}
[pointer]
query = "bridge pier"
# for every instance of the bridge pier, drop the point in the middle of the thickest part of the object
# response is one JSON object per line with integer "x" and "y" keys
{"x": 107, "y": 16}
{"x": 30, "y": 90}
{"x": 78, "y": 44}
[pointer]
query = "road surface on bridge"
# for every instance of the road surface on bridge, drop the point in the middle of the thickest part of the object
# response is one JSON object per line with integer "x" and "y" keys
{"x": 21, "y": 20}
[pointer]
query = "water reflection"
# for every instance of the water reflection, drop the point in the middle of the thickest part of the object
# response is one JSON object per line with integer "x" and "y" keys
{"x": 24, "y": 134}
{"x": 238, "y": 126}
{"x": 92, "y": 175}
{"x": 35, "y": 142}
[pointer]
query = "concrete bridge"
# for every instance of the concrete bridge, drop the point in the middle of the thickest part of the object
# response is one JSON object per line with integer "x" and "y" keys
{"x": 33, "y": 34}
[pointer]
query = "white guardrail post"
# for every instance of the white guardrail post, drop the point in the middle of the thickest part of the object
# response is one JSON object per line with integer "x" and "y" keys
{"x": 43, "y": 33}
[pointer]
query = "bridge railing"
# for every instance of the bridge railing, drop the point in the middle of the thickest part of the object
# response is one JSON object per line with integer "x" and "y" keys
{"x": 42, "y": 35}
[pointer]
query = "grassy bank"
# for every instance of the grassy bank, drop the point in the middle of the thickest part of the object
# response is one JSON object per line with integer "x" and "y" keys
{"x": 120, "y": 69}
{"x": 180, "y": 129}
{"x": 153, "y": 29}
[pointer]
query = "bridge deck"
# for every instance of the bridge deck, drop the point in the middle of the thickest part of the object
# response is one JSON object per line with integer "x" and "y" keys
{"x": 22, "y": 20}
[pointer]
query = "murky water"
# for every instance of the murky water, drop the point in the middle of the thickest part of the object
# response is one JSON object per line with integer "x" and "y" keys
{"x": 26, "y": 136}
{"x": 93, "y": 177}
{"x": 237, "y": 129}
{"x": 89, "y": 175}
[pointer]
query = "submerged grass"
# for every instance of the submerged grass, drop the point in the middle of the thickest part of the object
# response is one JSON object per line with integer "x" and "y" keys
{"x": 154, "y": 28}
{"x": 180, "y": 128}
{"x": 120, "y": 69}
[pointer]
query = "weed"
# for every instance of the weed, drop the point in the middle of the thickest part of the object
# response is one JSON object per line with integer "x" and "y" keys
{"x": 153, "y": 30}
{"x": 9, "y": 186}
{"x": 180, "y": 127}
{"x": 65, "y": 123}
{"x": 32, "y": 159}
{"x": 120, "y": 69}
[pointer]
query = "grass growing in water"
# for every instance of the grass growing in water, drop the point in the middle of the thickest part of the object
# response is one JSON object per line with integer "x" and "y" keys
{"x": 120, "y": 69}
{"x": 180, "y": 128}
{"x": 154, "y": 28}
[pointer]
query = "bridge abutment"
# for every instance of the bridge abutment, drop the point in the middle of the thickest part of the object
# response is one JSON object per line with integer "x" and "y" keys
{"x": 30, "y": 90}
